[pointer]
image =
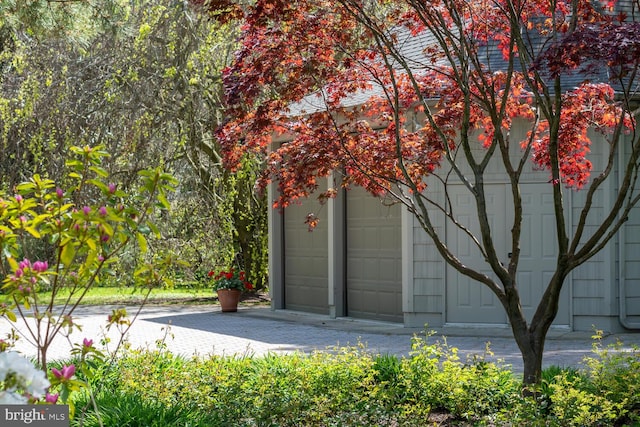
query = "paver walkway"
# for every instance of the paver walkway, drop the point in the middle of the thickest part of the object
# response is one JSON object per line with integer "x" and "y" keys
{"x": 202, "y": 330}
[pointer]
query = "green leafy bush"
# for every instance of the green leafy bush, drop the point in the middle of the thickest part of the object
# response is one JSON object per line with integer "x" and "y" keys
{"x": 353, "y": 387}
{"x": 52, "y": 243}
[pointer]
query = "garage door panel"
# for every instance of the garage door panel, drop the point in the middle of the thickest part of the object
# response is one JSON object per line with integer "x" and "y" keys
{"x": 469, "y": 301}
{"x": 374, "y": 278}
{"x": 305, "y": 260}
{"x": 538, "y": 264}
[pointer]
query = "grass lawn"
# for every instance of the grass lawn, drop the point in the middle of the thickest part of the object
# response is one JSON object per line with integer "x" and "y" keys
{"x": 128, "y": 296}
{"x": 115, "y": 295}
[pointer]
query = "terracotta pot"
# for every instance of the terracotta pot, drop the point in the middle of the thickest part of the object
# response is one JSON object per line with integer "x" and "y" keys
{"x": 229, "y": 299}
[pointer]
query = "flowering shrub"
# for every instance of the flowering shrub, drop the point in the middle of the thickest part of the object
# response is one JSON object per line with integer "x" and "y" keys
{"x": 83, "y": 240}
{"x": 232, "y": 279}
{"x": 20, "y": 380}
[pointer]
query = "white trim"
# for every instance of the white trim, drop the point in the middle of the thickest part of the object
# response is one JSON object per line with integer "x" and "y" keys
{"x": 406, "y": 219}
{"x": 331, "y": 261}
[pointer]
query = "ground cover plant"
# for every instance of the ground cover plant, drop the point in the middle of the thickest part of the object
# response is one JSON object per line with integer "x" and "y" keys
{"x": 354, "y": 387}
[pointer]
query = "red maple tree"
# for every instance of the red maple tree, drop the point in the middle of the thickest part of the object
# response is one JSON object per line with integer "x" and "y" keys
{"x": 396, "y": 94}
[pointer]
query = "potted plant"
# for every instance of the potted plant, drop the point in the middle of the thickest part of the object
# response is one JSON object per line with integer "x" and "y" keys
{"x": 229, "y": 285}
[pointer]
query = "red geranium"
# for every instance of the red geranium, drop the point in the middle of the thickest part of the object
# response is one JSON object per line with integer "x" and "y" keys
{"x": 231, "y": 279}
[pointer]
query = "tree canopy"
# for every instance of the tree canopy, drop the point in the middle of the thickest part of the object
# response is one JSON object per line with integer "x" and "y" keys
{"x": 143, "y": 80}
{"x": 401, "y": 96}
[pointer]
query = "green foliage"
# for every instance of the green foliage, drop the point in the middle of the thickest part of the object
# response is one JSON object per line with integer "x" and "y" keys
{"x": 83, "y": 241}
{"x": 435, "y": 376}
{"x": 353, "y": 387}
{"x": 243, "y": 215}
{"x": 77, "y": 22}
{"x": 130, "y": 410}
{"x": 615, "y": 376}
{"x": 604, "y": 393}
{"x": 144, "y": 83}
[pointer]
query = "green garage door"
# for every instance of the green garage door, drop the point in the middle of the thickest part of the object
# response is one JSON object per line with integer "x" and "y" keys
{"x": 374, "y": 275}
{"x": 469, "y": 301}
{"x": 305, "y": 260}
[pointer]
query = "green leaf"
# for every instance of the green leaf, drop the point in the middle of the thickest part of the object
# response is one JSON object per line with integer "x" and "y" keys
{"x": 6, "y": 230}
{"x": 142, "y": 242}
{"x": 25, "y": 187}
{"x": 101, "y": 185}
{"x": 153, "y": 228}
{"x": 92, "y": 244}
{"x": 67, "y": 255}
{"x": 107, "y": 228}
{"x": 10, "y": 315}
{"x": 74, "y": 163}
{"x": 35, "y": 233}
{"x": 13, "y": 263}
{"x": 99, "y": 171}
{"x": 163, "y": 201}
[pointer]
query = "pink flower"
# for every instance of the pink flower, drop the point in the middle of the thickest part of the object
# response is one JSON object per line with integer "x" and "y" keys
{"x": 65, "y": 374}
{"x": 51, "y": 398}
{"x": 59, "y": 193}
{"x": 112, "y": 188}
{"x": 40, "y": 266}
{"x": 102, "y": 211}
{"x": 86, "y": 210}
{"x": 87, "y": 343}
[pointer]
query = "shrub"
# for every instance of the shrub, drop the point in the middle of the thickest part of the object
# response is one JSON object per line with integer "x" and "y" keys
{"x": 352, "y": 387}
{"x": 437, "y": 380}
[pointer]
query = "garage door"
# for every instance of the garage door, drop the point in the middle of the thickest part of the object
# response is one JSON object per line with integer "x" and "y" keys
{"x": 305, "y": 260}
{"x": 374, "y": 275}
{"x": 470, "y": 302}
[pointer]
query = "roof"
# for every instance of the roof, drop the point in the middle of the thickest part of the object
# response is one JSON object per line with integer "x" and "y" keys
{"x": 412, "y": 49}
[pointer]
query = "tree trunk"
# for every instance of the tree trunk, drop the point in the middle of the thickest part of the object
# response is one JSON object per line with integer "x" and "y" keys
{"x": 532, "y": 361}
{"x": 531, "y": 337}
{"x": 43, "y": 357}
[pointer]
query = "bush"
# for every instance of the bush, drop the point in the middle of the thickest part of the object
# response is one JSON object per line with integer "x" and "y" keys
{"x": 352, "y": 387}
